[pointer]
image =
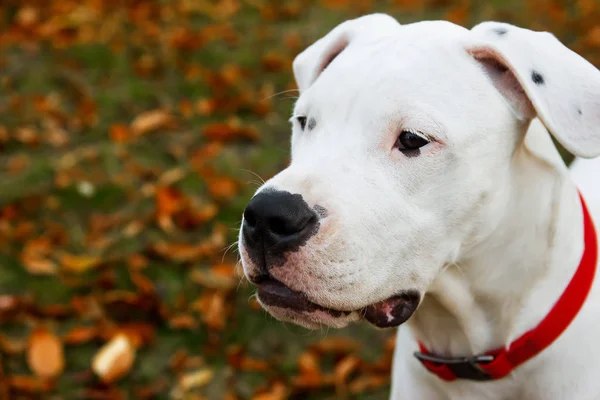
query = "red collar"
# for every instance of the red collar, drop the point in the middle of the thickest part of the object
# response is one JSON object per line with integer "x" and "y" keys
{"x": 499, "y": 363}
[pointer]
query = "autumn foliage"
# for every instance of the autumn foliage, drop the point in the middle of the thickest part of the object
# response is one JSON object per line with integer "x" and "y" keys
{"x": 132, "y": 133}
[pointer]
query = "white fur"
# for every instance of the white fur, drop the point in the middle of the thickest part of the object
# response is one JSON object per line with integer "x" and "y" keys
{"x": 485, "y": 222}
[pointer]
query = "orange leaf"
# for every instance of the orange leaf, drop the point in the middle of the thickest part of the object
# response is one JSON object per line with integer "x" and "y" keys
{"x": 593, "y": 36}
{"x": 186, "y": 108}
{"x": 277, "y": 392}
{"x": 181, "y": 252}
{"x": 150, "y": 121}
{"x": 212, "y": 308}
{"x": 253, "y": 364}
{"x": 308, "y": 364}
{"x": 78, "y": 264}
{"x": 11, "y": 346}
{"x": 364, "y": 383}
{"x": 80, "y": 335}
{"x": 274, "y": 62}
{"x": 17, "y": 163}
{"x": 139, "y": 334}
{"x": 293, "y": 40}
{"x": 38, "y": 266}
{"x": 459, "y": 15}
{"x": 143, "y": 283}
{"x": 344, "y": 368}
{"x": 114, "y": 359}
{"x": 28, "y": 384}
{"x": 223, "y": 188}
{"x": 231, "y": 74}
{"x": 183, "y": 321}
{"x": 335, "y": 3}
{"x": 195, "y": 379}
{"x": 218, "y": 277}
{"x": 206, "y": 107}
{"x": 27, "y": 16}
{"x": 45, "y": 354}
{"x": 119, "y": 133}
{"x": 337, "y": 345}
{"x": 168, "y": 201}
{"x": 229, "y": 131}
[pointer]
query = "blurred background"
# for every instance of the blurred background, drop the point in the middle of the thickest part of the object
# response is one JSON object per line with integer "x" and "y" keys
{"x": 132, "y": 133}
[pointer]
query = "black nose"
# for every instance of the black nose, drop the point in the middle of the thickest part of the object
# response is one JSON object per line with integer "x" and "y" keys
{"x": 277, "y": 222}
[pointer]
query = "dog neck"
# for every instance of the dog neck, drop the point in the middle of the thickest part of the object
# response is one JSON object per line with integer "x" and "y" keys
{"x": 505, "y": 284}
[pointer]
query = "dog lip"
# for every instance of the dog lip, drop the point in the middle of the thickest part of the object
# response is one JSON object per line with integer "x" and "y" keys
{"x": 271, "y": 292}
{"x": 388, "y": 313}
{"x": 393, "y": 311}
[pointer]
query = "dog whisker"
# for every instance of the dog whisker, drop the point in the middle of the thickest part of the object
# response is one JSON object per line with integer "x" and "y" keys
{"x": 280, "y": 93}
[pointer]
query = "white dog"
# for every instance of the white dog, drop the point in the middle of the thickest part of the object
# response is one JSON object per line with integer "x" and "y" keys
{"x": 424, "y": 184}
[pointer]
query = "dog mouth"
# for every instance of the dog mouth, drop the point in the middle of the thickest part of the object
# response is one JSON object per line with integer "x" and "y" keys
{"x": 273, "y": 293}
{"x": 388, "y": 313}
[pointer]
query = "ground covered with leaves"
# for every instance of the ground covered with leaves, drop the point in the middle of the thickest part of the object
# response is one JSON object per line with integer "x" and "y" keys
{"x": 132, "y": 133}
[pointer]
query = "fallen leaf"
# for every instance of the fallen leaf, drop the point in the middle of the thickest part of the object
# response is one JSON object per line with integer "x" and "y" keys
{"x": 196, "y": 379}
{"x": 18, "y": 163}
{"x": 223, "y": 188}
{"x": 277, "y": 392}
{"x": 27, "y": 16}
{"x": 35, "y": 256}
{"x": 151, "y": 121}
{"x": 183, "y": 321}
{"x": 119, "y": 133}
{"x": 114, "y": 359}
{"x": 274, "y": 62}
{"x": 593, "y": 36}
{"x": 212, "y": 308}
{"x": 216, "y": 277}
{"x": 78, "y": 264}
{"x": 229, "y": 131}
{"x": 168, "y": 201}
{"x": 343, "y": 369}
{"x": 139, "y": 334}
{"x": 186, "y": 108}
{"x": 206, "y": 107}
{"x": 28, "y": 384}
{"x": 337, "y": 345}
{"x": 308, "y": 364}
{"x": 12, "y": 345}
{"x": 368, "y": 382}
{"x": 45, "y": 355}
{"x": 335, "y": 4}
{"x": 38, "y": 266}
{"x": 181, "y": 252}
{"x": 80, "y": 335}
{"x": 253, "y": 364}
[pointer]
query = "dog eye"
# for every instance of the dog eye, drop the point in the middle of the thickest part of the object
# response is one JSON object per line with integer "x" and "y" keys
{"x": 410, "y": 140}
{"x": 302, "y": 121}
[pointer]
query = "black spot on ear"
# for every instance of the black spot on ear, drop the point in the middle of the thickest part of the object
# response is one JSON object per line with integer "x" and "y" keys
{"x": 311, "y": 124}
{"x": 579, "y": 111}
{"x": 537, "y": 78}
{"x": 500, "y": 31}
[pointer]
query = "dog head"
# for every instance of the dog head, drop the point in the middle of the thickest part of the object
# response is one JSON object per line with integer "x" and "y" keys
{"x": 402, "y": 140}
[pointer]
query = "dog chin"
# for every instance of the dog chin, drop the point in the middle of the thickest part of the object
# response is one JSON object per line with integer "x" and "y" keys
{"x": 314, "y": 319}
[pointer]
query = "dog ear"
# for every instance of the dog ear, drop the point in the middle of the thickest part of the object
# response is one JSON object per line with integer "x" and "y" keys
{"x": 309, "y": 64}
{"x": 539, "y": 76}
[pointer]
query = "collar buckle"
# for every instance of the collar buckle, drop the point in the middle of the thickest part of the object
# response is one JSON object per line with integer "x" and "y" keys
{"x": 461, "y": 367}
